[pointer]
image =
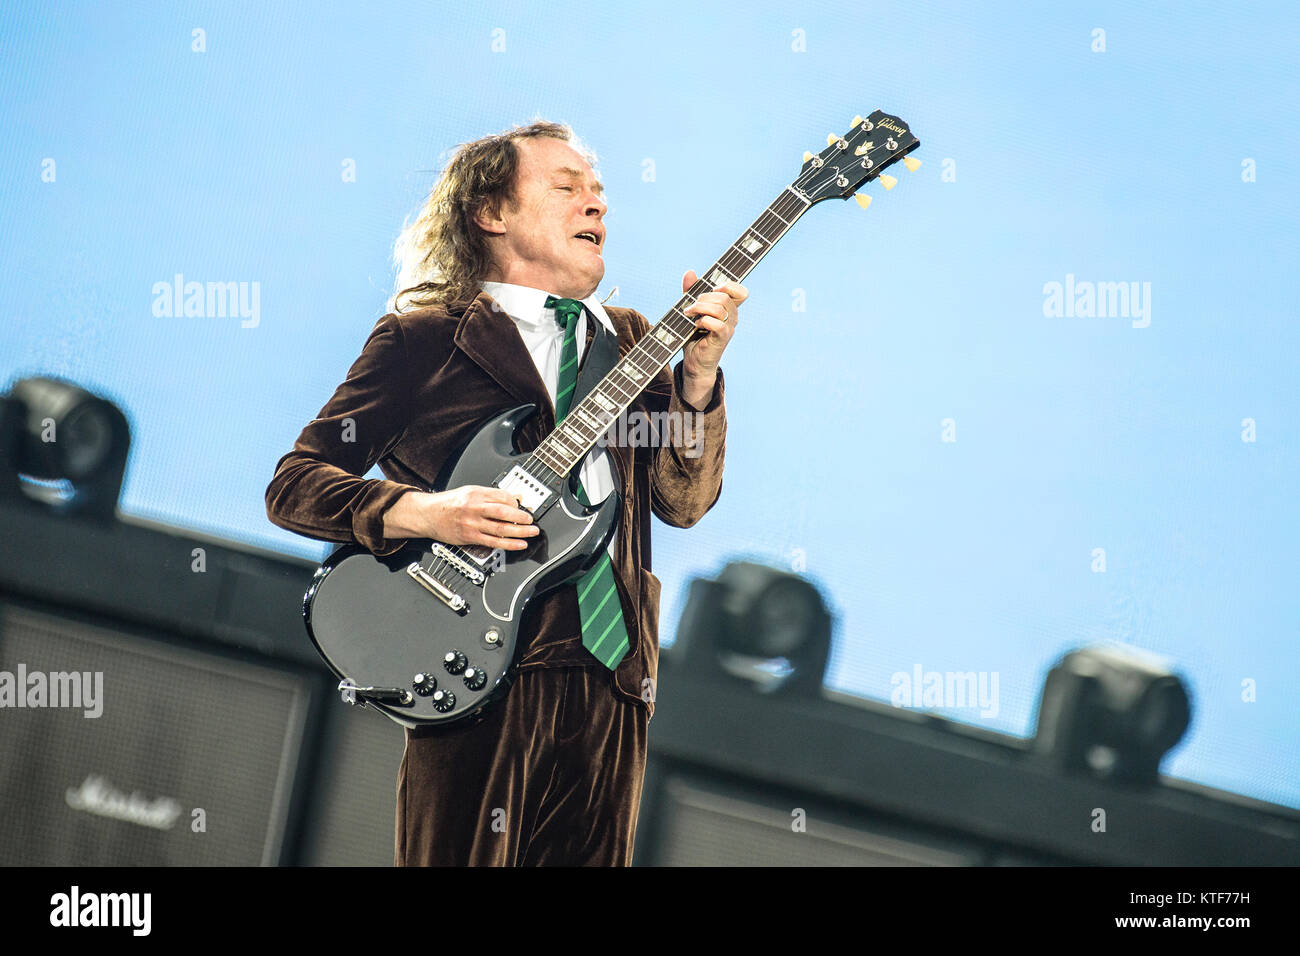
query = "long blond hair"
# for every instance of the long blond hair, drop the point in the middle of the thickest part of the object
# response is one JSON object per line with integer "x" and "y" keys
{"x": 443, "y": 255}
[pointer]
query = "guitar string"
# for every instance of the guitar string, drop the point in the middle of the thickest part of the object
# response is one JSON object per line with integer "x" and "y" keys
{"x": 788, "y": 202}
{"x": 555, "y": 444}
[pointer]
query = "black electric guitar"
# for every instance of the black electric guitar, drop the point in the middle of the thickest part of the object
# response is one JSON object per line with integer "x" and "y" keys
{"x": 428, "y": 634}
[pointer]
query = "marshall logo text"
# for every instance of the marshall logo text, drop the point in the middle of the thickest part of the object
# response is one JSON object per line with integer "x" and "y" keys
{"x": 96, "y": 795}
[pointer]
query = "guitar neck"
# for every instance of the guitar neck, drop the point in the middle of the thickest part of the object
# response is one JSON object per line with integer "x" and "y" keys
{"x": 565, "y": 447}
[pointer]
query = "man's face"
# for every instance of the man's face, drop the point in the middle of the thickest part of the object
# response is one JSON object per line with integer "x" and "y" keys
{"x": 536, "y": 236}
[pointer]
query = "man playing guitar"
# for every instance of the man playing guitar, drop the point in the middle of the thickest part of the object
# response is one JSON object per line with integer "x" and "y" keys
{"x": 506, "y": 255}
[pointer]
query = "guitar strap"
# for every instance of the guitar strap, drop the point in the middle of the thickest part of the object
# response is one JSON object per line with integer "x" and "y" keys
{"x": 602, "y": 356}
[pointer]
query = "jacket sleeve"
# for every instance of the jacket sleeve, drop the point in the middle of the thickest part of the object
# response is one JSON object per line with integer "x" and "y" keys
{"x": 686, "y": 464}
{"x": 317, "y": 489}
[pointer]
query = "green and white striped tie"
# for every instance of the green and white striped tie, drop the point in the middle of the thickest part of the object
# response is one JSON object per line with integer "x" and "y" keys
{"x": 603, "y": 630}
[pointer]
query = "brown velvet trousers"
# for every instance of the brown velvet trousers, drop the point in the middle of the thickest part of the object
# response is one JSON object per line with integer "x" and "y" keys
{"x": 551, "y": 776}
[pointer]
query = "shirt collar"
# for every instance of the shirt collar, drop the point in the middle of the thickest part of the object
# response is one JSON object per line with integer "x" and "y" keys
{"x": 527, "y": 306}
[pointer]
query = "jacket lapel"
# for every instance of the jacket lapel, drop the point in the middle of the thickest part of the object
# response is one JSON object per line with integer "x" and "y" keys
{"x": 489, "y": 336}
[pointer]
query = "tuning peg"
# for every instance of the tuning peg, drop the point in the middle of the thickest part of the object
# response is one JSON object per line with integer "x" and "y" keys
{"x": 856, "y": 121}
{"x": 863, "y": 199}
{"x": 831, "y": 139}
{"x": 806, "y": 155}
{"x": 889, "y": 182}
{"x": 911, "y": 163}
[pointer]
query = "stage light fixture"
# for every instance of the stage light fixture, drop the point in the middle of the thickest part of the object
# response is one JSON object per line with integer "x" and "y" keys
{"x": 758, "y": 624}
{"x": 1112, "y": 711}
{"x": 70, "y": 445}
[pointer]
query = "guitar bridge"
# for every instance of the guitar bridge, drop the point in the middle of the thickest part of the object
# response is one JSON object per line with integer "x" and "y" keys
{"x": 439, "y": 590}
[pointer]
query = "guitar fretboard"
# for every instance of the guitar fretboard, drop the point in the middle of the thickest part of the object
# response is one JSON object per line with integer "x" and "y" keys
{"x": 582, "y": 427}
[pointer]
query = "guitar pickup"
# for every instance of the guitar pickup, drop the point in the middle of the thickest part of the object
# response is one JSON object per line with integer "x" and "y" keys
{"x": 531, "y": 492}
{"x": 464, "y": 567}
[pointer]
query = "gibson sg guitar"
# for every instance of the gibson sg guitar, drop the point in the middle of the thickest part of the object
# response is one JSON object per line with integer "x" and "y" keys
{"x": 429, "y": 634}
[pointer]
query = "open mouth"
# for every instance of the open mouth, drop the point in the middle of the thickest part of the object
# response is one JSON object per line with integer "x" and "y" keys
{"x": 590, "y": 237}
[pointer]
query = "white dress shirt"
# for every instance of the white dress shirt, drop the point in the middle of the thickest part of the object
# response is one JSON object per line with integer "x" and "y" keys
{"x": 544, "y": 336}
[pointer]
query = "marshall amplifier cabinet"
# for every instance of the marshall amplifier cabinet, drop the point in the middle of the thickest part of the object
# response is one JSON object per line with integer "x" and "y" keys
{"x": 117, "y": 748}
{"x": 696, "y": 818}
{"x": 161, "y": 704}
{"x": 815, "y": 777}
{"x": 354, "y": 798}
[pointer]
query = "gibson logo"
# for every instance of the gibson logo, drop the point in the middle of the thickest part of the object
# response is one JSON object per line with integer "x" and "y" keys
{"x": 97, "y": 796}
{"x": 886, "y": 124}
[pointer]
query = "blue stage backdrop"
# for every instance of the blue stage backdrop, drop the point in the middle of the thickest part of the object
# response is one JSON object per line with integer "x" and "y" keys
{"x": 1040, "y": 395}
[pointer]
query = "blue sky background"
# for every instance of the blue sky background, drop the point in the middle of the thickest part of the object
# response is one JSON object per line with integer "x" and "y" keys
{"x": 975, "y": 555}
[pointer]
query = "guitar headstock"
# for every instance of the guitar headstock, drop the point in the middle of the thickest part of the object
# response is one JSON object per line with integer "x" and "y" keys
{"x": 851, "y": 161}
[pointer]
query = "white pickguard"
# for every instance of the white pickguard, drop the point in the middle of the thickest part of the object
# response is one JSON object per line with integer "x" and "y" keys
{"x": 493, "y": 603}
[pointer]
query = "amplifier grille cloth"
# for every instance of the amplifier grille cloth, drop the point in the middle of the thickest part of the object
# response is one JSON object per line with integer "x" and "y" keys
{"x": 352, "y": 824}
{"x": 179, "y": 725}
{"x": 705, "y": 828}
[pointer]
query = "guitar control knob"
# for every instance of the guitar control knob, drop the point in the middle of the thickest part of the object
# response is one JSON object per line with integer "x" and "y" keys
{"x": 455, "y": 662}
{"x": 443, "y": 701}
{"x": 424, "y": 684}
{"x": 475, "y": 678}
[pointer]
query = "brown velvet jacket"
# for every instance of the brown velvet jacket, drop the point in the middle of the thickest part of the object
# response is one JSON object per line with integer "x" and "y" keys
{"x": 423, "y": 382}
